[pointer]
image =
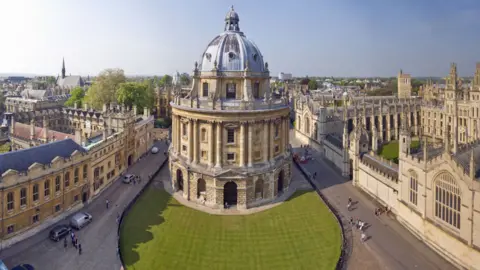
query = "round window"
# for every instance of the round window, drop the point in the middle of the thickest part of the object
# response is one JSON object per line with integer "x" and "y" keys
{"x": 231, "y": 55}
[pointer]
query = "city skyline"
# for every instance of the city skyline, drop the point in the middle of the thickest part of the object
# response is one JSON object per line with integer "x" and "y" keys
{"x": 314, "y": 38}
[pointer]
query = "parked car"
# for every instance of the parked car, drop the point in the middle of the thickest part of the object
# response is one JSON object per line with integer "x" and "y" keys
{"x": 127, "y": 179}
{"x": 59, "y": 232}
{"x": 80, "y": 220}
{"x": 24, "y": 266}
{"x": 154, "y": 150}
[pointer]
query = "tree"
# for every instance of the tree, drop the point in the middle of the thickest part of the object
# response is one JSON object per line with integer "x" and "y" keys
{"x": 104, "y": 88}
{"x": 312, "y": 85}
{"x": 76, "y": 96}
{"x": 165, "y": 80}
{"x": 184, "y": 79}
{"x": 50, "y": 80}
{"x": 140, "y": 94}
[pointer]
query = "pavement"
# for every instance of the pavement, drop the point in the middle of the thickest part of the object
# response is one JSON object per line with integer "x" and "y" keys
{"x": 98, "y": 239}
{"x": 390, "y": 245}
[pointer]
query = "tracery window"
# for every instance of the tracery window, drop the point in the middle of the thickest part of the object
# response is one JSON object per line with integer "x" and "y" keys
{"x": 307, "y": 125}
{"x": 447, "y": 200}
{"x": 413, "y": 188}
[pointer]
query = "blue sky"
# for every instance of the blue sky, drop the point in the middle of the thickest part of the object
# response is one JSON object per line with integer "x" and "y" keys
{"x": 303, "y": 37}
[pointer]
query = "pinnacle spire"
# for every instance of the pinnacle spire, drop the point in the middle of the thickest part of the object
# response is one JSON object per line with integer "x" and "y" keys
{"x": 63, "y": 68}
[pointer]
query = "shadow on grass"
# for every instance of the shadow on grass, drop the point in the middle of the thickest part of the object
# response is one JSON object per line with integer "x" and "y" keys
{"x": 146, "y": 213}
{"x": 299, "y": 193}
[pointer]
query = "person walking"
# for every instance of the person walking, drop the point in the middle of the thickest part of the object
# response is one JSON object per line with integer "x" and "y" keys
{"x": 79, "y": 249}
{"x": 107, "y": 203}
{"x": 363, "y": 237}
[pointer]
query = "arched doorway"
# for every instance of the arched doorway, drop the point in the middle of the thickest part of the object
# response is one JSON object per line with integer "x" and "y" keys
{"x": 201, "y": 187}
{"x": 130, "y": 160}
{"x": 230, "y": 193}
{"x": 280, "y": 182}
{"x": 84, "y": 197}
{"x": 180, "y": 179}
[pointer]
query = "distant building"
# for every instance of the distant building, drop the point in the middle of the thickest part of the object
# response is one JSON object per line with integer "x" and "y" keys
{"x": 285, "y": 76}
{"x": 67, "y": 83}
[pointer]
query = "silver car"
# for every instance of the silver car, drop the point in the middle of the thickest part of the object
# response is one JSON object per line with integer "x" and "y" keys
{"x": 80, "y": 220}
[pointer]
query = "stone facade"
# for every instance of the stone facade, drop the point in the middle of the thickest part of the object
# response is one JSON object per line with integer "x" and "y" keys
{"x": 434, "y": 190}
{"x": 228, "y": 144}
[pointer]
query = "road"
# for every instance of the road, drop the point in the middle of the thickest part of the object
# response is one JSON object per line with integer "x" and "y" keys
{"x": 390, "y": 245}
{"x": 98, "y": 239}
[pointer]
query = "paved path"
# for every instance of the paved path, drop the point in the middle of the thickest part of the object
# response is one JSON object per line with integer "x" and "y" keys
{"x": 391, "y": 246}
{"x": 98, "y": 239}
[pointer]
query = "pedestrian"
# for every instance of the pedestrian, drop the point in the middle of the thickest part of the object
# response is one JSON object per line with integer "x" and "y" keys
{"x": 361, "y": 225}
{"x": 364, "y": 237}
{"x": 76, "y": 243}
{"x": 80, "y": 249}
{"x": 351, "y": 220}
{"x": 107, "y": 203}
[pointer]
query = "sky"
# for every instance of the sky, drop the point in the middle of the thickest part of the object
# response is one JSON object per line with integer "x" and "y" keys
{"x": 302, "y": 37}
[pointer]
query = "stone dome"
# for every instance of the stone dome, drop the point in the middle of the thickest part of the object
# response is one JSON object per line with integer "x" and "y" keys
{"x": 232, "y": 50}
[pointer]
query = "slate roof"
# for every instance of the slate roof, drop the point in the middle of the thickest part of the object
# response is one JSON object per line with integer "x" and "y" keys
{"x": 22, "y": 159}
{"x": 431, "y": 152}
{"x": 463, "y": 159}
{"x": 36, "y": 94}
{"x": 70, "y": 81}
{"x": 390, "y": 170}
{"x": 23, "y": 131}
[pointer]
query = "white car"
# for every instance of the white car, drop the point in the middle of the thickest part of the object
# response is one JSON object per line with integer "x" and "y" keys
{"x": 154, "y": 150}
{"x": 127, "y": 179}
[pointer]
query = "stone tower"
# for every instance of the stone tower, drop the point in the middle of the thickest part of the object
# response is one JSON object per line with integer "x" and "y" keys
{"x": 404, "y": 85}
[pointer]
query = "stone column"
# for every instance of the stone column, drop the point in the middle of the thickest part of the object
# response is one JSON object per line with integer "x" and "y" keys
{"x": 211, "y": 148}
{"x": 266, "y": 141}
{"x": 241, "y": 141}
{"x": 218, "y": 160}
{"x": 196, "y": 144}
{"x": 380, "y": 127}
{"x": 272, "y": 140}
{"x": 174, "y": 133}
{"x": 251, "y": 126}
{"x": 180, "y": 135}
{"x": 287, "y": 132}
{"x": 190, "y": 140}
{"x": 415, "y": 122}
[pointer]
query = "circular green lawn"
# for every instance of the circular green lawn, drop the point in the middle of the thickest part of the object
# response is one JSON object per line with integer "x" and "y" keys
{"x": 160, "y": 233}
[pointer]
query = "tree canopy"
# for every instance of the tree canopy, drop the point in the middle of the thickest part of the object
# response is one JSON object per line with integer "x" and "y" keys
{"x": 76, "y": 96}
{"x": 2, "y": 102}
{"x": 165, "y": 80}
{"x": 312, "y": 85}
{"x": 184, "y": 79}
{"x": 104, "y": 88}
{"x": 140, "y": 94}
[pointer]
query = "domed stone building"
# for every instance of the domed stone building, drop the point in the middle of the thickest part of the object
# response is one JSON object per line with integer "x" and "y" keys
{"x": 230, "y": 132}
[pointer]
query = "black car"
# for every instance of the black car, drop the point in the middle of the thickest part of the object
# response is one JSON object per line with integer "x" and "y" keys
{"x": 23, "y": 267}
{"x": 59, "y": 232}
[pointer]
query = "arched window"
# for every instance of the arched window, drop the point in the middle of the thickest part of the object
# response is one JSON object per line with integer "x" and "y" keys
{"x": 75, "y": 175}
{"x": 447, "y": 200}
{"x": 413, "y": 187}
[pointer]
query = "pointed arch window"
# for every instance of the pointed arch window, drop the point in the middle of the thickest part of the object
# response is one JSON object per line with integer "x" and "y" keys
{"x": 413, "y": 188}
{"x": 447, "y": 200}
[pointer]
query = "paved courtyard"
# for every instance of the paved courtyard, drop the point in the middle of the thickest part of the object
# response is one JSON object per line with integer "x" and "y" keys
{"x": 98, "y": 239}
{"x": 390, "y": 245}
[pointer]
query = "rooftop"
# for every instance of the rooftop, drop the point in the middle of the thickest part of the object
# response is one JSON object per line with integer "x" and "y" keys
{"x": 21, "y": 160}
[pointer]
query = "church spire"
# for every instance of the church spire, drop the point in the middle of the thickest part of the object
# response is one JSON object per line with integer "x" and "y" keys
{"x": 63, "y": 68}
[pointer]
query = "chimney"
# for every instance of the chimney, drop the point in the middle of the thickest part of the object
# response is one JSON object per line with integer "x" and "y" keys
{"x": 105, "y": 107}
{"x": 135, "y": 110}
{"x": 45, "y": 129}
{"x": 85, "y": 106}
{"x": 78, "y": 136}
{"x": 32, "y": 129}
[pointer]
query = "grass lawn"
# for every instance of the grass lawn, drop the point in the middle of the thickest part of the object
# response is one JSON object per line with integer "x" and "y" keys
{"x": 390, "y": 150}
{"x": 160, "y": 233}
